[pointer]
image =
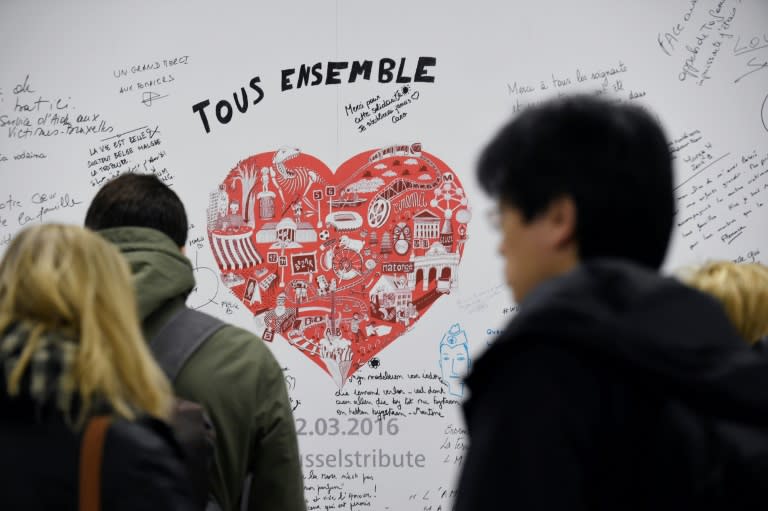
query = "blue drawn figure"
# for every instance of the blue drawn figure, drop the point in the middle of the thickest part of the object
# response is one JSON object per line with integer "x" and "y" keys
{"x": 454, "y": 359}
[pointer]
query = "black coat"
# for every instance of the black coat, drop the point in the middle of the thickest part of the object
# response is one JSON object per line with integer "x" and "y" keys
{"x": 39, "y": 463}
{"x": 565, "y": 406}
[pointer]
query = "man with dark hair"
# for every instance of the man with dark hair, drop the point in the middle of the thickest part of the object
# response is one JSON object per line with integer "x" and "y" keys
{"x": 232, "y": 373}
{"x": 593, "y": 395}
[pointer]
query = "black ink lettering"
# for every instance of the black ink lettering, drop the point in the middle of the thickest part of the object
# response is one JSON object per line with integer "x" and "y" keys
{"x": 385, "y": 70}
{"x": 254, "y": 85}
{"x": 303, "y": 76}
{"x": 421, "y": 73}
{"x": 200, "y": 107}
{"x": 23, "y": 87}
{"x": 400, "y": 77}
{"x": 317, "y": 74}
{"x": 286, "y": 82}
{"x": 359, "y": 68}
{"x": 753, "y": 63}
{"x": 244, "y": 107}
{"x": 223, "y": 105}
{"x": 332, "y": 78}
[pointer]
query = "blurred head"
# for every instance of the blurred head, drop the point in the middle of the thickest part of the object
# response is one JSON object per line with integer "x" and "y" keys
{"x": 68, "y": 279}
{"x": 139, "y": 200}
{"x": 742, "y": 289}
{"x": 578, "y": 178}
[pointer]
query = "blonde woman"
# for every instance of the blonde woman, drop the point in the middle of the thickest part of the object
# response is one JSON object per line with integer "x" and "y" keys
{"x": 742, "y": 289}
{"x": 71, "y": 349}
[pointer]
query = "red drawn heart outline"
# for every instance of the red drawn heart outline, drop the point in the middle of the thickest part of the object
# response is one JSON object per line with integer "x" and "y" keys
{"x": 339, "y": 264}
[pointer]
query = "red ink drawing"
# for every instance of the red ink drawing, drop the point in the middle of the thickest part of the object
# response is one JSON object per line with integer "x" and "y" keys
{"x": 340, "y": 264}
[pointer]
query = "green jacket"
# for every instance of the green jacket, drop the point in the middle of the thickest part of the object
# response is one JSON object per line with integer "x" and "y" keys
{"x": 233, "y": 375}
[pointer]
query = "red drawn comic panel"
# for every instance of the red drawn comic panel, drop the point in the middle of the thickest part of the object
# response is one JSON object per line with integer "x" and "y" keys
{"x": 339, "y": 264}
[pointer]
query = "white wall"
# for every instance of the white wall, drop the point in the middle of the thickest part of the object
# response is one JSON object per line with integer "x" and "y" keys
{"x": 703, "y": 72}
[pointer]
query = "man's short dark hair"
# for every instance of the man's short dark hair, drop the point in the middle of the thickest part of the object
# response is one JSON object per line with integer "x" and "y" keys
{"x": 138, "y": 200}
{"x": 611, "y": 159}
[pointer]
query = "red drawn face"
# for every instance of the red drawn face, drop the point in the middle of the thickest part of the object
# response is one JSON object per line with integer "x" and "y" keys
{"x": 346, "y": 262}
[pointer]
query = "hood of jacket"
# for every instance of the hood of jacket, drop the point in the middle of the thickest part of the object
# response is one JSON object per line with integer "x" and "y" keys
{"x": 673, "y": 337}
{"x": 161, "y": 273}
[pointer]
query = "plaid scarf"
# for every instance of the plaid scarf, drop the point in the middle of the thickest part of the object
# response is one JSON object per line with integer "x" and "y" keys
{"x": 47, "y": 379}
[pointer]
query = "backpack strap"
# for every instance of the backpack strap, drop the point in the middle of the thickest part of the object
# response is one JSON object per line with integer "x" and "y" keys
{"x": 178, "y": 339}
{"x": 91, "y": 453}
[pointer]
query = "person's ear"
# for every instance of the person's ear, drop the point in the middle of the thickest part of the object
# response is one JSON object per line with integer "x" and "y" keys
{"x": 183, "y": 250}
{"x": 560, "y": 217}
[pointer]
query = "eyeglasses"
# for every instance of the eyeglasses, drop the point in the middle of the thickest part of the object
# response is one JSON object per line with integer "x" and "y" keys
{"x": 493, "y": 215}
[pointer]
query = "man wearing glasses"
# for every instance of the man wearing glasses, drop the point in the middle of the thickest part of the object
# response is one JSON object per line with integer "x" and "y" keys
{"x": 611, "y": 387}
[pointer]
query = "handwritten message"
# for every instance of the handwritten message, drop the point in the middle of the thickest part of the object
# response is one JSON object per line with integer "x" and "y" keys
{"x": 351, "y": 489}
{"x": 135, "y": 151}
{"x": 18, "y": 211}
{"x": 383, "y": 395}
{"x": 752, "y": 52}
{"x": 749, "y": 256}
{"x": 33, "y": 113}
{"x": 373, "y": 110}
{"x": 453, "y": 447}
{"x": 718, "y": 191}
{"x": 607, "y": 79}
{"x": 439, "y": 498}
{"x": 703, "y": 34}
{"x": 479, "y": 301}
{"x": 147, "y": 78}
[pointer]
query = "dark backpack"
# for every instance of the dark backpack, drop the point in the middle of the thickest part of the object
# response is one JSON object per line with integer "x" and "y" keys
{"x": 172, "y": 346}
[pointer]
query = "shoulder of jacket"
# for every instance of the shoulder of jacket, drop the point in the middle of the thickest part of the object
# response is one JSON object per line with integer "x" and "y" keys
{"x": 247, "y": 359}
{"x": 231, "y": 337}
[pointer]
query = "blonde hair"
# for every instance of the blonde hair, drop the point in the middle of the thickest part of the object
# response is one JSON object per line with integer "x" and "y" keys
{"x": 742, "y": 289}
{"x": 63, "y": 278}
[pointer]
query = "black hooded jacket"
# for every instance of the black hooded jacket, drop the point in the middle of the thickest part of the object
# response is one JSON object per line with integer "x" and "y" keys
{"x": 568, "y": 409}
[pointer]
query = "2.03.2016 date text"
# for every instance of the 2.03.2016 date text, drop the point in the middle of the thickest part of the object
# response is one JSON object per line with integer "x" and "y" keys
{"x": 350, "y": 426}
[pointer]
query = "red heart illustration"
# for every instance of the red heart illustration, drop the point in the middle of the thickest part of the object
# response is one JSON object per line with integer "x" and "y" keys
{"x": 339, "y": 264}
